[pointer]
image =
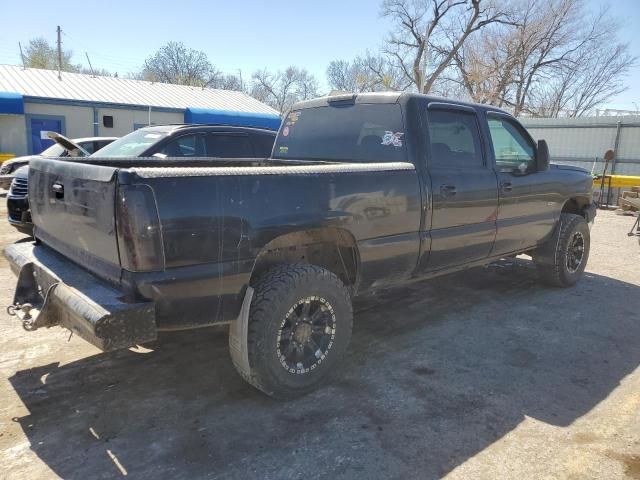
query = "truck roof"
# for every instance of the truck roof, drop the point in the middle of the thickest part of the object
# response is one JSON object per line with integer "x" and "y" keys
{"x": 387, "y": 97}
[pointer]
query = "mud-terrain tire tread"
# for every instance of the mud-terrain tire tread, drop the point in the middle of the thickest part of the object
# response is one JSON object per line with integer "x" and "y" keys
{"x": 270, "y": 290}
{"x": 554, "y": 274}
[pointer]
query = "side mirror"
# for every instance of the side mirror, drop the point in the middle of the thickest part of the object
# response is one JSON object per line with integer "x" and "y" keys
{"x": 542, "y": 156}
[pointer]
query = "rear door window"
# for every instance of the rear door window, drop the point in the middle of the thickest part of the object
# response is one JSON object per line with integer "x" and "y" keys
{"x": 346, "y": 133}
{"x": 228, "y": 146}
{"x": 455, "y": 139}
{"x": 185, "y": 146}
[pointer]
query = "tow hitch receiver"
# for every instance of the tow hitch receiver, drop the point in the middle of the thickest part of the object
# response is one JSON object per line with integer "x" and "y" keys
{"x": 23, "y": 312}
{"x": 52, "y": 291}
{"x": 29, "y": 302}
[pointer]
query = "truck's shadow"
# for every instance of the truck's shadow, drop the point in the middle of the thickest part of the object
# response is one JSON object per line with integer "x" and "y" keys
{"x": 436, "y": 373}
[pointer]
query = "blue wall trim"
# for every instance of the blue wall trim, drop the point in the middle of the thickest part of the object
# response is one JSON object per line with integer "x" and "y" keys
{"x": 230, "y": 117}
{"x": 11, "y": 103}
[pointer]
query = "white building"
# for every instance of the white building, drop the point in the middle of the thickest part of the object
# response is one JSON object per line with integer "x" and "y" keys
{"x": 34, "y": 101}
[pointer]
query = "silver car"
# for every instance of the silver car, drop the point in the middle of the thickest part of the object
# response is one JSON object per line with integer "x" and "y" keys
{"x": 63, "y": 147}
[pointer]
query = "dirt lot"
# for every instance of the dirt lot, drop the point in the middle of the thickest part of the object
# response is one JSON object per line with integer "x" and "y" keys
{"x": 484, "y": 374}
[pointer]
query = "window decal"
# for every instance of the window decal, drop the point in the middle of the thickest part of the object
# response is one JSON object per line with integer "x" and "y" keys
{"x": 392, "y": 138}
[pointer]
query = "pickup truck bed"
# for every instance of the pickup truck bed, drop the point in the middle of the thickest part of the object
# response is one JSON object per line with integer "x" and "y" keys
{"x": 358, "y": 196}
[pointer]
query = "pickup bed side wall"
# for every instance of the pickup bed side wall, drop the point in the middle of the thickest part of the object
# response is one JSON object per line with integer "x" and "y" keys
{"x": 214, "y": 226}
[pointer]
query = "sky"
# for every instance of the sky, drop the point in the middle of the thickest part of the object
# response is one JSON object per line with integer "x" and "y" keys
{"x": 242, "y": 35}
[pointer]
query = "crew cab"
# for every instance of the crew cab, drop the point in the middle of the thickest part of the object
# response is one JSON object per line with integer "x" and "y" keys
{"x": 361, "y": 192}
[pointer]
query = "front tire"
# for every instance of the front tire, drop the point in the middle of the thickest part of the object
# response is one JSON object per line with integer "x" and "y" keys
{"x": 299, "y": 328}
{"x": 562, "y": 259}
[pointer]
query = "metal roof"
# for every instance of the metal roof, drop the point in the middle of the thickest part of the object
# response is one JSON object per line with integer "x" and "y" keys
{"x": 38, "y": 83}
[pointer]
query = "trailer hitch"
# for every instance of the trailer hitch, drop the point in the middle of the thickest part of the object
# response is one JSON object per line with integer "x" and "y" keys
{"x": 28, "y": 313}
{"x": 23, "y": 312}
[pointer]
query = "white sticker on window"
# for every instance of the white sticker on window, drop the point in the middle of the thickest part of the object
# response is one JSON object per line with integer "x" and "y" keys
{"x": 152, "y": 135}
{"x": 392, "y": 138}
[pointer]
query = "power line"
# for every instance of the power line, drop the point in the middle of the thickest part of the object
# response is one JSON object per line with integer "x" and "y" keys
{"x": 112, "y": 60}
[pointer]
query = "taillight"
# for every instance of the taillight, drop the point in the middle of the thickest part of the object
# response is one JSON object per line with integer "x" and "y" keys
{"x": 139, "y": 233}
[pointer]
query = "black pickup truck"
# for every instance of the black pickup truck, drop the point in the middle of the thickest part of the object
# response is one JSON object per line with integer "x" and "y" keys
{"x": 362, "y": 192}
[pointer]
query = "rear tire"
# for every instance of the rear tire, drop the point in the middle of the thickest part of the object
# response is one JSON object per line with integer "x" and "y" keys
{"x": 299, "y": 328}
{"x": 562, "y": 259}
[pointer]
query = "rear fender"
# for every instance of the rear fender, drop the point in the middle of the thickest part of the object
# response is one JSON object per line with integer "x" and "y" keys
{"x": 334, "y": 249}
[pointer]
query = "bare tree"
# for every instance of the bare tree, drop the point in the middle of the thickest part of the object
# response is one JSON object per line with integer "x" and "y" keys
{"x": 595, "y": 76}
{"x": 547, "y": 34}
{"x": 342, "y": 75}
{"x": 368, "y": 73}
{"x": 175, "y": 63}
{"x": 552, "y": 59}
{"x": 486, "y": 66}
{"x": 569, "y": 62}
{"x": 283, "y": 88}
{"x": 428, "y": 34}
{"x": 229, "y": 82}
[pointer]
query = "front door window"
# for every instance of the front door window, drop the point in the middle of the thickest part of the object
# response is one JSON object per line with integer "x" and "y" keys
{"x": 513, "y": 151}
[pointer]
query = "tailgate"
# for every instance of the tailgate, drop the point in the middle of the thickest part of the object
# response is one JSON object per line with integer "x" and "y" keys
{"x": 72, "y": 206}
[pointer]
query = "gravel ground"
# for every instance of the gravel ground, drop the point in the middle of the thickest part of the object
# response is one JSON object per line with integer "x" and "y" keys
{"x": 482, "y": 374}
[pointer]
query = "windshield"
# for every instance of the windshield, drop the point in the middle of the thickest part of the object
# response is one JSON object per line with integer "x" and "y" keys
{"x": 131, "y": 145}
{"x": 55, "y": 150}
{"x": 353, "y": 133}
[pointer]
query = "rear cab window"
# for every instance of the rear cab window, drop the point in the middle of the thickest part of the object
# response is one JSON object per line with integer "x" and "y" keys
{"x": 345, "y": 133}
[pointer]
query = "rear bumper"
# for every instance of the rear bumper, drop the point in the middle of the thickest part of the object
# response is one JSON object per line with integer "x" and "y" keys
{"x": 61, "y": 293}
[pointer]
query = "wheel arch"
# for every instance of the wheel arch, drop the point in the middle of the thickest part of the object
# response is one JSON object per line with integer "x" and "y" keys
{"x": 576, "y": 205}
{"x": 334, "y": 249}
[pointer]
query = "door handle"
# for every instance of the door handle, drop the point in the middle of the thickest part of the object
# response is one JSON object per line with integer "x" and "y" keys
{"x": 447, "y": 190}
{"x": 506, "y": 186}
{"x": 58, "y": 189}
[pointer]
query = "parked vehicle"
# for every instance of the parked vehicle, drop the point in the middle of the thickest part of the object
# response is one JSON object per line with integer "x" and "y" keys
{"x": 18, "y": 212}
{"x": 192, "y": 141}
{"x": 362, "y": 192}
{"x": 63, "y": 147}
{"x": 158, "y": 142}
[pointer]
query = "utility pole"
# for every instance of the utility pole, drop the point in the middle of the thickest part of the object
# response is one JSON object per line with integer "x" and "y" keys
{"x": 24, "y": 67}
{"x": 59, "y": 53}
{"x": 90, "y": 66}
